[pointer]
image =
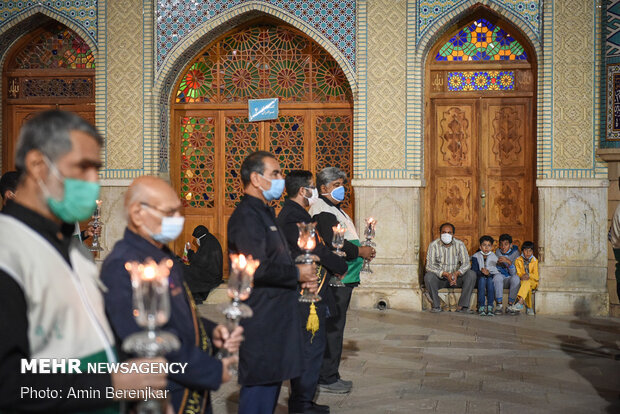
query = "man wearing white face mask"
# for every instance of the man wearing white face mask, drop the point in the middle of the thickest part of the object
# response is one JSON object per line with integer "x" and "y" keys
{"x": 448, "y": 265}
{"x": 153, "y": 219}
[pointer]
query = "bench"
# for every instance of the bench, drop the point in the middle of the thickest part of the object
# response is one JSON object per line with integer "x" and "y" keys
{"x": 444, "y": 296}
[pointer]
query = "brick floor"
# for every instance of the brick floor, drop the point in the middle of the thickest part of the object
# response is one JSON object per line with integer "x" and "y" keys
{"x": 453, "y": 363}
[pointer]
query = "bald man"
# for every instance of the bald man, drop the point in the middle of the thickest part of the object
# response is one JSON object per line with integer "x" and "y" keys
{"x": 153, "y": 220}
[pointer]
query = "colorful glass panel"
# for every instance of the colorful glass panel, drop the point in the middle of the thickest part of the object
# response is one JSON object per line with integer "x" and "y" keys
{"x": 198, "y": 161}
{"x": 286, "y": 142}
{"x": 264, "y": 62}
{"x": 481, "y": 81}
{"x": 481, "y": 40}
{"x": 334, "y": 140}
{"x": 241, "y": 139}
{"x": 55, "y": 48}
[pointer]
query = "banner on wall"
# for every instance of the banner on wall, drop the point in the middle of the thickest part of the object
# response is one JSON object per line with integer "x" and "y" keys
{"x": 613, "y": 102}
{"x": 262, "y": 109}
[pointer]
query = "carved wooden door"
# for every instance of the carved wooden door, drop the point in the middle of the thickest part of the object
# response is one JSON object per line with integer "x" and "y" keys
{"x": 481, "y": 168}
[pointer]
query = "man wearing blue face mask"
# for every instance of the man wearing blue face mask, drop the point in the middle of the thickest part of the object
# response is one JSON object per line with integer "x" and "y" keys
{"x": 272, "y": 351}
{"x": 51, "y": 304}
{"x": 327, "y": 212}
{"x": 153, "y": 219}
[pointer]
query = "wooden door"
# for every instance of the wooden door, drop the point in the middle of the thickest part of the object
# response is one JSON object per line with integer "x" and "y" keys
{"x": 481, "y": 168}
{"x": 212, "y": 144}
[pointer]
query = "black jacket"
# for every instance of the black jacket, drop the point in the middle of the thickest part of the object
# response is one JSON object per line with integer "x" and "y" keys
{"x": 291, "y": 214}
{"x": 272, "y": 350}
{"x": 204, "y": 272}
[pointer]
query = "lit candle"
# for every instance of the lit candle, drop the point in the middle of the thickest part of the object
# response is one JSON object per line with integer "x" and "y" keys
{"x": 310, "y": 243}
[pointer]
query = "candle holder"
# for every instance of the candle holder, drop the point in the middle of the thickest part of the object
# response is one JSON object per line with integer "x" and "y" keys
{"x": 95, "y": 245}
{"x": 307, "y": 242}
{"x": 151, "y": 309}
{"x": 240, "y": 278}
{"x": 369, "y": 233}
{"x": 338, "y": 243}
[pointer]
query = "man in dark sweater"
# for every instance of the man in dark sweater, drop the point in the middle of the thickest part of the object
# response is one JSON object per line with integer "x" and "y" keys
{"x": 302, "y": 192}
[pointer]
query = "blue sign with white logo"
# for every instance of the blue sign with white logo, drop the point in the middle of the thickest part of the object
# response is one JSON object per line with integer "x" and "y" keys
{"x": 262, "y": 109}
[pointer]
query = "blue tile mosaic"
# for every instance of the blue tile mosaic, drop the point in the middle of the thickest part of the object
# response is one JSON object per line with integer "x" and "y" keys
{"x": 430, "y": 11}
{"x": 335, "y": 19}
{"x": 81, "y": 12}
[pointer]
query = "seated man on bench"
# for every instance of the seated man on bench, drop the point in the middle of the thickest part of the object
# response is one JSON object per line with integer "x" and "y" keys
{"x": 448, "y": 265}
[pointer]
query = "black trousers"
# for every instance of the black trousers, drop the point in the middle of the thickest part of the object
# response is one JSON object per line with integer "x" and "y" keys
{"x": 335, "y": 335}
{"x": 303, "y": 387}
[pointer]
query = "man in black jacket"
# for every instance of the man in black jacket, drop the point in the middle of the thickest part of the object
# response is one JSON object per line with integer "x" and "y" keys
{"x": 272, "y": 351}
{"x": 204, "y": 272}
{"x": 302, "y": 192}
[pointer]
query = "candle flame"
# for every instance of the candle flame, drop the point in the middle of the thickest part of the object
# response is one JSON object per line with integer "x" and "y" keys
{"x": 99, "y": 202}
{"x": 310, "y": 243}
{"x": 149, "y": 272}
{"x": 242, "y": 262}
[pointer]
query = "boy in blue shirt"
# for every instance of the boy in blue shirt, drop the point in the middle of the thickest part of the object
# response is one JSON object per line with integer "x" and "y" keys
{"x": 484, "y": 262}
{"x": 506, "y": 254}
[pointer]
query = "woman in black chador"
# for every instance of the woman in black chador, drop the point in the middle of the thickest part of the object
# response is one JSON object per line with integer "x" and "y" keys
{"x": 204, "y": 272}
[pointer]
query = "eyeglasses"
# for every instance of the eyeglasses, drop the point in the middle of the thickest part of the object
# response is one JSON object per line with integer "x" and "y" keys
{"x": 166, "y": 213}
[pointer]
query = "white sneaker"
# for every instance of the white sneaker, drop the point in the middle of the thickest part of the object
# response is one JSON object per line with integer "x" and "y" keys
{"x": 529, "y": 311}
{"x": 513, "y": 309}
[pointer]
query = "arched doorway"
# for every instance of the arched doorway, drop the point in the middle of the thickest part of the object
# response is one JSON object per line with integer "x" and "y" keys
{"x": 480, "y": 132}
{"x": 51, "y": 67}
{"x": 210, "y": 131}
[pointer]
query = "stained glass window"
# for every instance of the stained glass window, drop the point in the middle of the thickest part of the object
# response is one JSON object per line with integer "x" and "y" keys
{"x": 481, "y": 81}
{"x": 55, "y": 48}
{"x": 260, "y": 62}
{"x": 198, "y": 161}
{"x": 481, "y": 40}
{"x": 241, "y": 139}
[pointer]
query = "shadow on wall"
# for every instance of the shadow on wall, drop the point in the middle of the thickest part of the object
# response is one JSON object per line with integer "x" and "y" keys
{"x": 596, "y": 357}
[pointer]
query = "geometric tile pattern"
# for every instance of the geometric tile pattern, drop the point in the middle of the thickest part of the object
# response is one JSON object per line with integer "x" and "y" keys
{"x": 387, "y": 25}
{"x": 431, "y": 10}
{"x": 124, "y": 149}
{"x": 334, "y": 19}
{"x": 613, "y": 28}
{"x": 573, "y": 81}
{"x": 81, "y": 12}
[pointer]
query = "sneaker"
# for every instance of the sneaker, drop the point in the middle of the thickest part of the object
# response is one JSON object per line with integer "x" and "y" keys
{"x": 512, "y": 309}
{"x": 529, "y": 311}
{"x": 482, "y": 311}
{"x": 346, "y": 382}
{"x": 464, "y": 310}
{"x": 313, "y": 409}
{"x": 499, "y": 309}
{"x": 518, "y": 307}
{"x": 435, "y": 310}
{"x": 490, "y": 311}
{"x": 337, "y": 387}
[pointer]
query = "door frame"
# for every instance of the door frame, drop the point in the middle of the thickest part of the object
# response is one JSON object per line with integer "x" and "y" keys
{"x": 427, "y": 233}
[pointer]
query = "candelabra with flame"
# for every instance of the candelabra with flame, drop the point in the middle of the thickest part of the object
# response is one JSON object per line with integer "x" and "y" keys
{"x": 338, "y": 243}
{"x": 369, "y": 233}
{"x": 95, "y": 246}
{"x": 151, "y": 309}
{"x": 240, "y": 278}
{"x": 307, "y": 243}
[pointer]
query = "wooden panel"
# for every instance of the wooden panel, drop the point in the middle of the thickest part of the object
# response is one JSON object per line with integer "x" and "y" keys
{"x": 454, "y": 139}
{"x": 506, "y": 168}
{"x": 453, "y": 169}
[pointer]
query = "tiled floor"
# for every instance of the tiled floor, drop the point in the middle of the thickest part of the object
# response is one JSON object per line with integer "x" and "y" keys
{"x": 453, "y": 363}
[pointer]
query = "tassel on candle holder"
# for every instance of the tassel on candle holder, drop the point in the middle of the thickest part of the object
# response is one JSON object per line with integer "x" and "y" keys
{"x": 240, "y": 278}
{"x": 369, "y": 233}
{"x": 151, "y": 309}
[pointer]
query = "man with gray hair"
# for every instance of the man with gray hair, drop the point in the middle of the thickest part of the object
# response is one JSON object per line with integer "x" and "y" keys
{"x": 328, "y": 213}
{"x": 50, "y": 293}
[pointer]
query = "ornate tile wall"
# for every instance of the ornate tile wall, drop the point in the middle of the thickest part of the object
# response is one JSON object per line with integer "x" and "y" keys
{"x": 431, "y": 10}
{"x": 575, "y": 88}
{"x": 610, "y": 136}
{"x": 387, "y": 25}
{"x": 82, "y": 12}
{"x": 335, "y": 19}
